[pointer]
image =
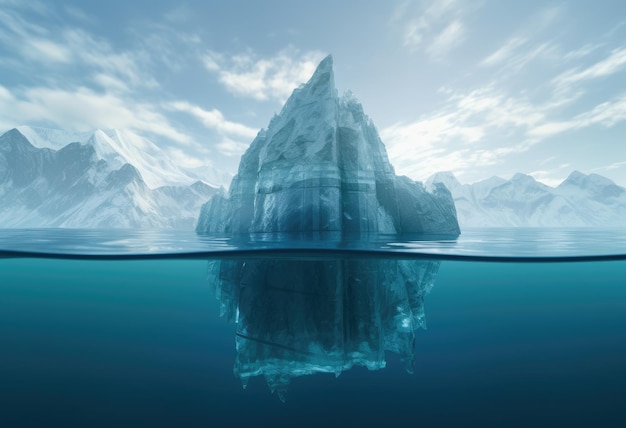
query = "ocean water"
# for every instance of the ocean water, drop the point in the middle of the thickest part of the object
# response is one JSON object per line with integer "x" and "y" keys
{"x": 525, "y": 327}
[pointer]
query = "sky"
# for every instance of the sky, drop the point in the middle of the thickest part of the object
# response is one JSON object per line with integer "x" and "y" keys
{"x": 476, "y": 87}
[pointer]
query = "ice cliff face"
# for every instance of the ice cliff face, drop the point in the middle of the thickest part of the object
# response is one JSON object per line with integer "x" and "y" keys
{"x": 321, "y": 166}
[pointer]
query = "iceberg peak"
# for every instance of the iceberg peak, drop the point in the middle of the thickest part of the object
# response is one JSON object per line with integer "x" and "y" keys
{"x": 323, "y": 79}
{"x": 321, "y": 167}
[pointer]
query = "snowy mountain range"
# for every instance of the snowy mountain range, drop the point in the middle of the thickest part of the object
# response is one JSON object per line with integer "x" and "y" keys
{"x": 51, "y": 178}
{"x": 579, "y": 201}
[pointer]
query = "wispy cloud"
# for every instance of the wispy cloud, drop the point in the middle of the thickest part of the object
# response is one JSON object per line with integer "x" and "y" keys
{"x": 480, "y": 127}
{"x": 614, "y": 63}
{"x": 504, "y": 52}
{"x": 229, "y": 147}
{"x": 606, "y": 114}
{"x": 616, "y": 165}
{"x": 43, "y": 50}
{"x": 214, "y": 120}
{"x": 274, "y": 78}
{"x": 84, "y": 109}
{"x": 436, "y": 27}
{"x": 70, "y": 47}
{"x": 459, "y": 136}
{"x": 34, "y": 5}
{"x": 78, "y": 81}
{"x": 492, "y": 123}
{"x": 451, "y": 37}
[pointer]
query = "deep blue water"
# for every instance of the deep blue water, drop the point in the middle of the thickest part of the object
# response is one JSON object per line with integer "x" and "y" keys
{"x": 140, "y": 342}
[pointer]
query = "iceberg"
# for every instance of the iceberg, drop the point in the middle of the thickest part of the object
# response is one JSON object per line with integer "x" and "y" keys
{"x": 301, "y": 317}
{"x": 321, "y": 167}
{"x": 321, "y": 171}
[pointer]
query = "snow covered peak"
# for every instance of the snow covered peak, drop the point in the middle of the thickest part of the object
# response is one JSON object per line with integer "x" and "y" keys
{"x": 579, "y": 179}
{"x": 119, "y": 147}
{"x": 519, "y": 177}
{"x": 575, "y": 178}
{"x": 54, "y": 139}
{"x": 592, "y": 185}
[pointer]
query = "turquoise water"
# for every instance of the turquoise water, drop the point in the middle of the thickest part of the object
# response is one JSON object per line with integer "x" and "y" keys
{"x": 519, "y": 342}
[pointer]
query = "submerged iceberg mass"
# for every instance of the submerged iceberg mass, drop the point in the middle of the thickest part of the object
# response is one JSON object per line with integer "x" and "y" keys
{"x": 301, "y": 317}
{"x": 321, "y": 167}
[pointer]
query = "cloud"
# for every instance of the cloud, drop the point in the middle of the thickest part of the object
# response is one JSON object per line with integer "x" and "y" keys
{"x": 451, "y": 36}
{"x": 532, "y": 40}
{"x": 214, "y": 120}
{"x": 504, "y": 52}
{"x": 480, "y": 128}
{"x": 62, "y": 73}
{"x": 436, "y": 27}
{"x": 231, "y": 148}
{"x": 612, "y": 64}
{"x": 70, "y": 47}
{"x": 84, "y": 109}
{"x": 606, "y": 114}
{"x": 234, "y": 137}
{"x": 110, "y": 83}
{"x": 34, "y": 5}
{"x": 495, "y": 122}
{"x": 263, "y": 79}
{"x": 615, "y": 165}
{"x": 46, "y": 51}
{"x": 100, "y": 55}
{"x": 84, "y": 82}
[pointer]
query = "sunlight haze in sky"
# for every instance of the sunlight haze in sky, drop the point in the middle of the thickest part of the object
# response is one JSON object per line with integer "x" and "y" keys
{"x": 480, "y": 88}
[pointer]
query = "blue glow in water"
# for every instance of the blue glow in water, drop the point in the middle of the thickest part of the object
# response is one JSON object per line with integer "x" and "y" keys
{"x": 141, "y": 343}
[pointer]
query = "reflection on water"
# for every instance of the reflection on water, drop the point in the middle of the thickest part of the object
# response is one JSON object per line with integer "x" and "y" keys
{"x": 299, "y": 317}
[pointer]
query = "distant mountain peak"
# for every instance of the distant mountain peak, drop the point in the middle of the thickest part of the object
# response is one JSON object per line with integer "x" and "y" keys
{"x": 118, "y": 146}
{"x": 580, "y": 201}
{"x": 13, "y": 139}
{"x": 522, "y": 177}
{"x": 73, "y": 187}
{"x": 14, "y": 134}
{"x": 578, "y": 179}
{"x": 576, "y": 175}
{"x": 575, "y": 178}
